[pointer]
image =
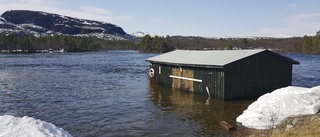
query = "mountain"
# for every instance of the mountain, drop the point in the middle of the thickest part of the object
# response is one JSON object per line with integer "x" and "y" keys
{"x": 142, "y": 34}
{"x": 40, "y": 23}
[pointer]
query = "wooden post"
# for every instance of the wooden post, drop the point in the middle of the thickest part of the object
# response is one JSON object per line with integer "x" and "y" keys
{"x": 227, "y": 125}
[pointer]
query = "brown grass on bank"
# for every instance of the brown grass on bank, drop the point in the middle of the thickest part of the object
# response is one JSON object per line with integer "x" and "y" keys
{"x": 306, "y": 128}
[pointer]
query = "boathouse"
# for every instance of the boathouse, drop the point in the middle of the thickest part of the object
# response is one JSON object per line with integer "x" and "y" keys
{"x": 223, "y": 74}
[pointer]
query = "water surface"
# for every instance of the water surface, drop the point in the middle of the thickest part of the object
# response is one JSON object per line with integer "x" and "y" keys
{"x": 109, "y": 94}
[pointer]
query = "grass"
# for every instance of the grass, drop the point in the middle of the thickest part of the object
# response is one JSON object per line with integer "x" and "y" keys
{"x": 307, "y": 128}
{"x": 304, "y": 128}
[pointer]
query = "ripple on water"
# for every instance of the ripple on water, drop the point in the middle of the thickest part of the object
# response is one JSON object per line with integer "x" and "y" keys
{"x": 109, "y": 94}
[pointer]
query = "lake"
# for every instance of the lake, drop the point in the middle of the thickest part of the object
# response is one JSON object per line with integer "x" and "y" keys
{"x": 109, "y": 94}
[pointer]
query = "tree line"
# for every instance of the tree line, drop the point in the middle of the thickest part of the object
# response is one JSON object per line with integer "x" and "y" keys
{"x": 155, "y": 44}
{"x": 32, "y": 43}
{"x": 306, "y": 44}
{"x": 311, "y": 44}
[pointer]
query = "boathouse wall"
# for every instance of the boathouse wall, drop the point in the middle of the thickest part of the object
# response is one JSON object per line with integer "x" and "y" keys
{"x": 256, "y": 75}
{"x": 247, "y": 77}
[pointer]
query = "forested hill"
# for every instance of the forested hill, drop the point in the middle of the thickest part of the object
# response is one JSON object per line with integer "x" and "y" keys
{"x": 38, "y": 23}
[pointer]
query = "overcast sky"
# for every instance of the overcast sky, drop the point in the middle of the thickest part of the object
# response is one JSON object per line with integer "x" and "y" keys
{"x": 189, "y": 17}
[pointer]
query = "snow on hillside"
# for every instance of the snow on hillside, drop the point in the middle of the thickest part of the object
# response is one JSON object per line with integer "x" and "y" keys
{"x": 25, "y": 25}
{"x": 2, "y": 20}
{"x": 261, "y": 36}
{"x": 11, "y": 126}
{"x": 139, "y": 34}
{"x": 272, "y": 108}
{"x": 142, "y": 34}
{"x": 39, "y": 23}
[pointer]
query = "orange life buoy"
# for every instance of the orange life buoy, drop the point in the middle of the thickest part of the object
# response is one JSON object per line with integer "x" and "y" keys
{"x": 151, "y": 72}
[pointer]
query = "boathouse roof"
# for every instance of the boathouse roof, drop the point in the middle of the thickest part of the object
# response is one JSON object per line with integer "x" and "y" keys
{"x": 210, "y": 58}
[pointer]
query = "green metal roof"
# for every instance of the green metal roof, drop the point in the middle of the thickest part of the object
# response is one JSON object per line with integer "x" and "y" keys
{"x": 210, "y": 58}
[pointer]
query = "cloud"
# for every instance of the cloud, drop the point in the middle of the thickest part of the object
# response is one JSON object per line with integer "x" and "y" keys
{"x": 155, "y": 20}
{"x": 94, "y": 13}
{"x": 306, "y": 23}
{"x": 95, "y": 10}
{"x": 292, "y": 5}
{"x": 304, "y": 17}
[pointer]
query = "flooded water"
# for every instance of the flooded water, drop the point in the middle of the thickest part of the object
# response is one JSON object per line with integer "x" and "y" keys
{"x": 109, "y": 94}
{"x": 307, "y": 73}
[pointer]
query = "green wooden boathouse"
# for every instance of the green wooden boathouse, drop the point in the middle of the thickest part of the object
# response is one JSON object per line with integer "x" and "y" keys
{"x": 223, "y": 74}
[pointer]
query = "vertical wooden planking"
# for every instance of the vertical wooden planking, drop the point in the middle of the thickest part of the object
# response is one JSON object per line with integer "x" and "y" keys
{"x": 256, "y": 75}
{"x": 247, "y": 77}
{"x": 176, "y": 83}
{"x": 163, "y": 77}
{"x": 188, "y": 84}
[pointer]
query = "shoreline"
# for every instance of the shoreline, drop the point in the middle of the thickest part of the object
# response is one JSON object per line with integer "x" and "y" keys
{"x": 294, "y": 126}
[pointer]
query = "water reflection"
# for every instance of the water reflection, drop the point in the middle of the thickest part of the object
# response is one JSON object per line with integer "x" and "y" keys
{"x": 199, "y": 108}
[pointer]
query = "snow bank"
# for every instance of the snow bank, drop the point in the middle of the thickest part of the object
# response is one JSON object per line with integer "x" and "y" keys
{"x": 272, "y": 108}
{"x": 11, "y": 126}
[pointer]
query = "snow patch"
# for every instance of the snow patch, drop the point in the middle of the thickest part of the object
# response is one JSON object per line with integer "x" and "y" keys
{"x": 43, "y": 13}
{"x": 90, "y": 27}
{"x": 2, "y": 20}
{"x": 101, "y": 36}
{"x": 87, "y": 22}
{"x": 142, "y": 34}
{"x": 31, "y": 26}
{"x": 258, "y": 36}
{"x": 272, "y": 108}
{"x": 11, "y": 126}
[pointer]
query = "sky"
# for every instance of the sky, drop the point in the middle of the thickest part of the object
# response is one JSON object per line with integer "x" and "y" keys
{"x": 189, "y": 17}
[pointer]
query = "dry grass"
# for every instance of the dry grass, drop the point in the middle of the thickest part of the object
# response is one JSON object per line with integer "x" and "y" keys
{"x": 304, "y": 128}
{"x": 307, "y": 128}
